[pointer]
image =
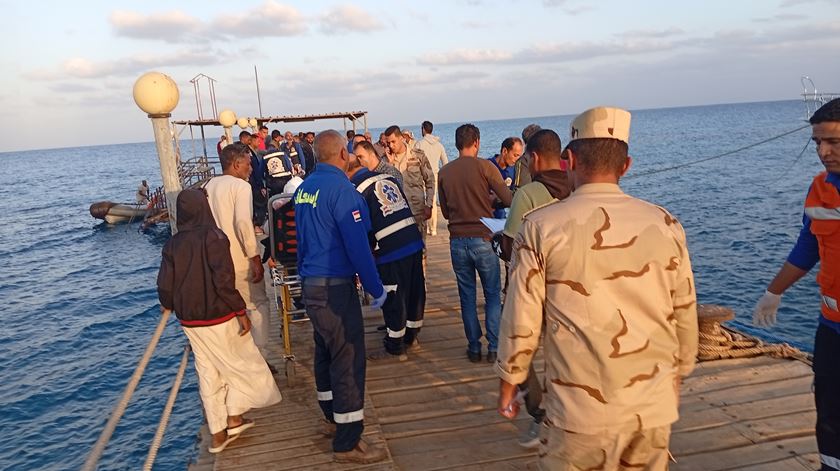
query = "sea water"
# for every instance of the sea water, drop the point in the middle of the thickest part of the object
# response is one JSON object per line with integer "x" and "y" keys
{"x": 79, "y": 298}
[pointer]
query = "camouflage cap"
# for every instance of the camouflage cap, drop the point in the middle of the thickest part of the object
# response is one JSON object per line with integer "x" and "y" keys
{"x": 602, "y": 122}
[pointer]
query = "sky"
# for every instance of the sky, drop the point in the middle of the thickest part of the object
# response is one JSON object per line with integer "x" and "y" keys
{"x": 69, "y": 67}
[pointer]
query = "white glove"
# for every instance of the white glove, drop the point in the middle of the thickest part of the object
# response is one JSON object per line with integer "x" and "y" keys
{"x": 378, "y": 302}
{"x": 764, "y": 314}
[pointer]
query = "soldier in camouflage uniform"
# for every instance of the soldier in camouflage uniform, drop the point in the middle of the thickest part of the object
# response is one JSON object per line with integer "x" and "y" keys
{"x": 418, "y": 179}
{"x": 610, "y": 275}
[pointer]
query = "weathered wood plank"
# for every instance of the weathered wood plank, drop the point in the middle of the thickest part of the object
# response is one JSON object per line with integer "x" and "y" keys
{"x": 438, "y": 411}
{"x": 751, "y": 454}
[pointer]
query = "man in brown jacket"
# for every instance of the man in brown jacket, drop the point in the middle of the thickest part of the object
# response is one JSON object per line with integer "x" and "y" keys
{"x": 464, "y": 187}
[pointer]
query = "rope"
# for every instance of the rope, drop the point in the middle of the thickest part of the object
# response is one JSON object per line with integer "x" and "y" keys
{"x": 717, "y": 342}
{"x": 119, "y": 410}
{"x": 718, "y": 156}
{"x": 167, "y": 411}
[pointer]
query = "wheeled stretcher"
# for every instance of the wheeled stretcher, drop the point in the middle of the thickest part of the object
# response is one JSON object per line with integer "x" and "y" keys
{"x": 285, "y": 281}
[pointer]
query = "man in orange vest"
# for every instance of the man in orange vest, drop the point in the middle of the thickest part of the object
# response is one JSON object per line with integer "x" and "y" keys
{"x": 819, "y": 241}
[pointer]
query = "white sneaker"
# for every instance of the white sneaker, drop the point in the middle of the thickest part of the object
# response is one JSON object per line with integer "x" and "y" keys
{"x": 531, "y": 437}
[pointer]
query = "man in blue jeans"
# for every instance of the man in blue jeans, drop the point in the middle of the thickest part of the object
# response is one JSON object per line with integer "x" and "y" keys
{"x": 463, "y": 188}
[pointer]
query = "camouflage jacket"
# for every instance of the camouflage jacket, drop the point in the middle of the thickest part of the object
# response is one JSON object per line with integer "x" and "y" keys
{"x": 611, "y": 276}
{"x": 418, "y": 179}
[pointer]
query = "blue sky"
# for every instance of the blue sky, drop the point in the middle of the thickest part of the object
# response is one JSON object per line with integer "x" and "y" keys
{"x": 69, "y": 67}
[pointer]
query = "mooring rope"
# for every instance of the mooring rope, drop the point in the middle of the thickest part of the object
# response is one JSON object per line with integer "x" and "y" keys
{"x": 119, "y": 410}
{"x": 167, "y": 411}
{"x": 718, "y": 156}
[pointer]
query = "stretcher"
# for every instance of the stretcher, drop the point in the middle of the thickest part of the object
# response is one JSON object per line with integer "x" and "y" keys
{"x": 285, "y": 280}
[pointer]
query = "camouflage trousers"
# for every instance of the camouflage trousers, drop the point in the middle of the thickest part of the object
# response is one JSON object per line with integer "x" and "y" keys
{"x": 638, "y": 450}
{"x": 422, "y": 224}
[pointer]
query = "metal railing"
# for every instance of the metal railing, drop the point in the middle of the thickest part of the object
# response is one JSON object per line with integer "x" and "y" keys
{"x": 812, "y": 98}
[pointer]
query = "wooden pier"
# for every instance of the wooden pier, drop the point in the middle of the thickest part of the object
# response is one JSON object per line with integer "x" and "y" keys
{"x": 438, "y": 411}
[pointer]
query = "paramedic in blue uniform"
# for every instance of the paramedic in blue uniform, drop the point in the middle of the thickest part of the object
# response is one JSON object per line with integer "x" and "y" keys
{"x": 398, "y": 250}
{"x": 332, "y": 236}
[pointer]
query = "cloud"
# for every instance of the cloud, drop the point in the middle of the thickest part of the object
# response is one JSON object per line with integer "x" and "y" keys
{"x": 72, "y": 87}
{"x": 350, "y": 83}
{"x": 651, "y": 33}
{"x": 781, "y": 17}
{"x": 173, "y": 26}
{"x": 544, "y": 53}
{"x": 466, "y": 56}
{"x": 271, "y": 19}
{"x": 348, "y": 19}
{"x": 567, "y": 6}
{"x": 793, "y": 3}
{"x": 81, "y": 68}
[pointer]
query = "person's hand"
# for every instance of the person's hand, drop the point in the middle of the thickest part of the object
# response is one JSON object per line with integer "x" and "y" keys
{"x": 244, "y": 324}
{"x": 764, "y": 314}
{"x": 377, "y": 303}
{"x": 508, "y": 403}
{"x": 427, "y": 213}
{"x": 271, "y": 263}
{"x": 264, "y": 192}
{"x": 257, "y": 270}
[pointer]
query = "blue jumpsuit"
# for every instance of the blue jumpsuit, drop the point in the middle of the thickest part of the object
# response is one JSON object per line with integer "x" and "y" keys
{"x": 332, "y": 236}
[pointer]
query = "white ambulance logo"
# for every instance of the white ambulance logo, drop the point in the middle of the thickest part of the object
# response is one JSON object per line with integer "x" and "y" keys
{"x": 390, "y": 198}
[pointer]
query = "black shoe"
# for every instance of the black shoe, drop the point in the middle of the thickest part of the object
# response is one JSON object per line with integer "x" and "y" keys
{"x": 474, "y": 357}
{"x": 491, "y": 357}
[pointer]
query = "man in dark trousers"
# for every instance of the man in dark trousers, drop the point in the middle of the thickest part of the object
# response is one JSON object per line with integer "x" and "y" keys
{"x": 819, "y": 241}
{"x": 332, "y": 235}
{"x": 398, "y": 250}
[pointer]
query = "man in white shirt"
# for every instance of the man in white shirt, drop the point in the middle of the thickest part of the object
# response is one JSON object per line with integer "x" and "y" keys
{"x": 431, "y": 146}
{"x": 230, "y": 200}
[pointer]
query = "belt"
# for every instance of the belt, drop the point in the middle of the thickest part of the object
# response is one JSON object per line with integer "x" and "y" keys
{"x": 327, "y": 281}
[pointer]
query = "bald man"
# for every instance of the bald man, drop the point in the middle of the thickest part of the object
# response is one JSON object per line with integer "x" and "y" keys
{"x": 332, "y": 236}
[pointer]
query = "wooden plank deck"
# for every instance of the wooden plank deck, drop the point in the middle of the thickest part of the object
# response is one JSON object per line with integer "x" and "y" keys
{"x": 438, "y": 411}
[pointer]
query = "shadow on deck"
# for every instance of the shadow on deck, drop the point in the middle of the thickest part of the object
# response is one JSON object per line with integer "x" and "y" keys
{"x": 438, "y": 411}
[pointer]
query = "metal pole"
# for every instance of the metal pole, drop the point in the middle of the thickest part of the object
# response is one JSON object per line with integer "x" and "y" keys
{"x": 259, "y": 100}
{"x": 229, "y": 136}
{"x": 168, "y": 164}
{"x": 203, "y": 140}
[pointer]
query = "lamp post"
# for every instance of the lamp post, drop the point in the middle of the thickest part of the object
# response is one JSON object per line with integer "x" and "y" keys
{"x": 227, "y": 119}
{"x": 242, "y": 123}
{"x": 157, "y": 95}
{"x": 253, "y": 123}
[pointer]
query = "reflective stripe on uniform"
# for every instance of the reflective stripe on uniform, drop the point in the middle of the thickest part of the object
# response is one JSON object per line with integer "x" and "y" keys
{"x": 370, "y": 181}
{"x": 349, "y": 417}
{"x": 402, "y": 224}
{"x": 830, "y": 214}
{"x": 325, "y": 396}
{"x": 830, "y": 302}
{"x": 830, "y": 461}
{"x": 414, "y": 324}
{"x": 396, "y": 334}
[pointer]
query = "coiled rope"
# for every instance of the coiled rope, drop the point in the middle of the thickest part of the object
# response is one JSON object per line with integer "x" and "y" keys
{"x": 718, "y": 342}
{"x": 119, "y": 410}
{"x": 718, "y": 156}
{"x": 167, "y": 411}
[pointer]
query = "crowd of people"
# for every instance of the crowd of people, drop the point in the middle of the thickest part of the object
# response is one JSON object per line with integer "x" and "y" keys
{"x": 601, "y": 279}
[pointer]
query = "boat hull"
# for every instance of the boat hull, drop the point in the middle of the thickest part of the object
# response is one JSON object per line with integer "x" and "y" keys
{"x": 114, "y": 213}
